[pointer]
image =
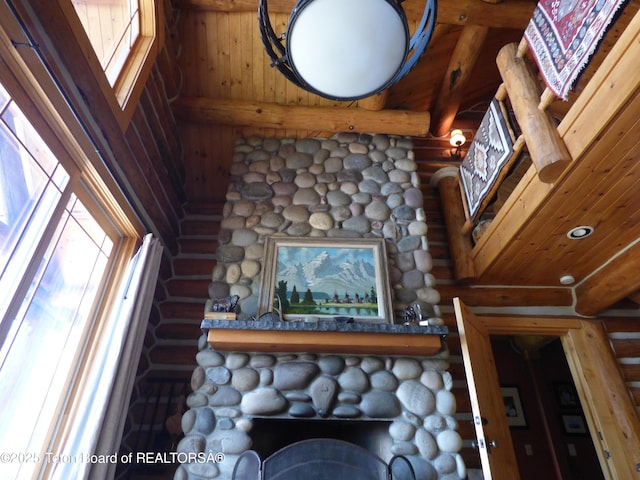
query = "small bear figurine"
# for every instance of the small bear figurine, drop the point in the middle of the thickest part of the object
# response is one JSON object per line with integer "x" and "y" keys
{"x": 226, "y": 304}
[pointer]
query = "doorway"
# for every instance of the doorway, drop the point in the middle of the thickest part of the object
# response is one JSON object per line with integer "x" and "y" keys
{"x": 607, "y": 406}
{"x": 546, "y": 421}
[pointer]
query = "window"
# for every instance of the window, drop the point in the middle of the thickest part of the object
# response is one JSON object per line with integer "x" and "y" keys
{"x": 125, "y": 36}
{"x": 60, "y": 257}
{"x": 113, "y": 27}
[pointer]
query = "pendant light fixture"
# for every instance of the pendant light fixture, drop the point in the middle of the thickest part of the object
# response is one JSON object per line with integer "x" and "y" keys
{"x": 346, "y": 49}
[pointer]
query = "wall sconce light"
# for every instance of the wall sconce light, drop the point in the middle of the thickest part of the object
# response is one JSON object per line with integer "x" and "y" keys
{"x": 457, "y": 140}
{"x": 346, "y": 50}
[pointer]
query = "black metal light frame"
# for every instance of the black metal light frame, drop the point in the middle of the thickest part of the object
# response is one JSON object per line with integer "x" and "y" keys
{"x": 277, "y": 46}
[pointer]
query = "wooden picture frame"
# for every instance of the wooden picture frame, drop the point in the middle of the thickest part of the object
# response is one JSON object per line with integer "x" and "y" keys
{"x": 574, "y": 424}
{"x": 513, "y": 407}
{"x": 332, "y": 277}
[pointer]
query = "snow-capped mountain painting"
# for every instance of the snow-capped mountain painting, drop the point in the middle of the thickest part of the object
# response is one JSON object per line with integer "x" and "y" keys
{"x": 327, "y": 281}
{"x": 327, "y": 271}
{"x": 326, "y": 278}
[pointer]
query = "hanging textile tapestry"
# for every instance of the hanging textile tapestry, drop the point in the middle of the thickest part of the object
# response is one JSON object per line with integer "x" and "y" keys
{"x": 563, "y": 34}
{"x": 488, "y": 156}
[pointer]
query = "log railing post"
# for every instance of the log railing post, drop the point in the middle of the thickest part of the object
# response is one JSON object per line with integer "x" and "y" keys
{"x": 447, "y": 182}
{"x": 547, "y": 149}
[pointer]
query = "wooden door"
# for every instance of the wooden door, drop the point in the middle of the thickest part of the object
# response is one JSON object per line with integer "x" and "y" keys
{"x": 494, "y": 440}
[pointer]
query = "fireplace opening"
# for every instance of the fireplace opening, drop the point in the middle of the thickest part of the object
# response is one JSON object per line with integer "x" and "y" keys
{"x": 270, "y": 435}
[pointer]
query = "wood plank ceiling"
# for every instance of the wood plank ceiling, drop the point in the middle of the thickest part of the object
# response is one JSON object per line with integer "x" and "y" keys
{"x": 229, "y": 90}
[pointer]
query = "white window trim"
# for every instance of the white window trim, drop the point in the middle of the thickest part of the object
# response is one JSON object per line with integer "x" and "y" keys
{"x": 98, "y": 421}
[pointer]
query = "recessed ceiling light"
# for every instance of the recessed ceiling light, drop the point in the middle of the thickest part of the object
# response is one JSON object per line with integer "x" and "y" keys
{"x": 580, "y": 232}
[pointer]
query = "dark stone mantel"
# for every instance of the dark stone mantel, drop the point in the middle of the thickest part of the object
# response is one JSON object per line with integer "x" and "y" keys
{"x": 324, "y": 326}
{"x": 324, "y": 336}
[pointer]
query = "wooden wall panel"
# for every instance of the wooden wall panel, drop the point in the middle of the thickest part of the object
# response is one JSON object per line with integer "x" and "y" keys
{"x": 224, "y": 58}
{"x": 152, "y": 136}
{"x": 207, "y": 170}
{"x": 188, "y": 45}
{"x": 167, "y": 62}
{"x": 626, "y": 346}
{"x": 156, "y": 89}
{"x": 149, "y": 188}
{"x": 222, "y": 53}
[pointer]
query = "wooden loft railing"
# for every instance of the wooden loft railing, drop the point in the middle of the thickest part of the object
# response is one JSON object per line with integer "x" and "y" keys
{"x": 539, "y": 135}
{"x": 552, "y": 147}
{"x": 539, "y": 131}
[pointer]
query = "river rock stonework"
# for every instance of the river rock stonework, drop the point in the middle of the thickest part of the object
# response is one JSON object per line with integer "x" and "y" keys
{"x": 412, "y": 393}
{"x": 350, "y": 186}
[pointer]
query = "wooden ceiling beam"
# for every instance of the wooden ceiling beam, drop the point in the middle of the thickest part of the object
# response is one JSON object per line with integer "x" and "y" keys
{"x": 375, "y": 102}
{"x": 495, "y": 296}
{"x": 510, "y": 14}
{"x": 616, "y": 280}
{"x": 635, "y": 297}
{"x": 463, "y": 59}
{"x": 239, "y": 113}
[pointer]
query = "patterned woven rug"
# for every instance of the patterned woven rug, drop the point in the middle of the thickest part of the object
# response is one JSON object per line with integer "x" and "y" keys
{"x": 563, "y": 34}
{"x": 486, "y": 160}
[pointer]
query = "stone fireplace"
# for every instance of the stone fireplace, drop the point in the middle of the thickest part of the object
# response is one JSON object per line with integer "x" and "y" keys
{"x": 349, "y": 186}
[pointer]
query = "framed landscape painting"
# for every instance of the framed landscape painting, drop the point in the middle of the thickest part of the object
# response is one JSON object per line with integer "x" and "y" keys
{"x": 326, "y": 278}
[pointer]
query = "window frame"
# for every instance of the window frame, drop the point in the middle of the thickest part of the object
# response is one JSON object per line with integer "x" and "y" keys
{"x": 130, "y": 83}
{"x": 128, "y": 87}
{"x": 30, "y": 86}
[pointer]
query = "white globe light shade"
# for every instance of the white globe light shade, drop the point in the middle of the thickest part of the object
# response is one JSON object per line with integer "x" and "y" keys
{"x": 457, "y": 138}
{"x": 347, "y": 48}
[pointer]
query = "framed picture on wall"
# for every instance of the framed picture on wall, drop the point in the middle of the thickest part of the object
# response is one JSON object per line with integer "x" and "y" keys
{"x": 566, "y": 395}
{"x": 326, "y": 278}
{"x": 513, "y": 407}
{"x": 574, "y": 424}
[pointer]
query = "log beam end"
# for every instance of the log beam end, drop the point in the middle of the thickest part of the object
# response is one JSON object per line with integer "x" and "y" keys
{"x": 552, "y": 171}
